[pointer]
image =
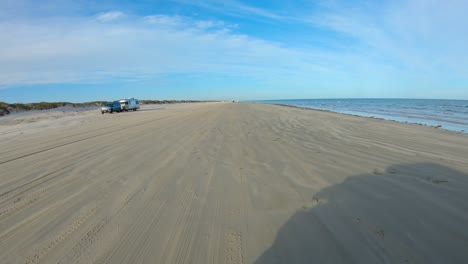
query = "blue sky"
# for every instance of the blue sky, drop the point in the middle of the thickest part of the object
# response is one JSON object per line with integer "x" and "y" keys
{"x": 76, "y": 50}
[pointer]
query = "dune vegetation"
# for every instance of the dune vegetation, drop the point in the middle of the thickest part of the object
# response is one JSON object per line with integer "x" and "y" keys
{"x": 7, "y": 108}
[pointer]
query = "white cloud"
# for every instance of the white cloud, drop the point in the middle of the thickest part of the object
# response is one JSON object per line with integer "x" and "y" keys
{"x": 206, "y": 24}
{"x": 165, "y": 20}
{"x": 186, "y": 22}
{"x": 83, "y": 50}
{"x": 419, "y": 36}
{"x": 109, "y": 16}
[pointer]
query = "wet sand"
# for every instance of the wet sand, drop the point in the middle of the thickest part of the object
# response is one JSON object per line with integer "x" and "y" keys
{"x": 229, "y": 183}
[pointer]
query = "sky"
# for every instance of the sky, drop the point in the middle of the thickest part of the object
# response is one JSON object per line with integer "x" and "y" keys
{"x": 76, "y": 50}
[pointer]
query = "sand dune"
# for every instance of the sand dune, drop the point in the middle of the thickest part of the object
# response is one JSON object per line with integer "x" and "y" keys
{"x": 230, "y": 183}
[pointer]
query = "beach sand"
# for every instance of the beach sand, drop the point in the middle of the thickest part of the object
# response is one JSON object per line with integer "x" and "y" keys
{"x": 229, "y": 183}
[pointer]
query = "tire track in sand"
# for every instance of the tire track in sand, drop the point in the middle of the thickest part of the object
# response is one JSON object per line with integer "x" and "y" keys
{"x": 81, "y": 219}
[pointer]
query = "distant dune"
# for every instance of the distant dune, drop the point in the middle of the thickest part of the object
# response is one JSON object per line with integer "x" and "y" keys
{"x": 6, "y": 108}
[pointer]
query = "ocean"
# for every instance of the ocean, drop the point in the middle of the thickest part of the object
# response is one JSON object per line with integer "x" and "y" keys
{"x": 450, "y": 114}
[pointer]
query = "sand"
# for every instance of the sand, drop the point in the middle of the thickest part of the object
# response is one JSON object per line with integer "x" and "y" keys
{"x": 229, "y": 183}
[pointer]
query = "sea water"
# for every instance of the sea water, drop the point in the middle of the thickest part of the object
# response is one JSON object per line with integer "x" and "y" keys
{"x": 450, "y": 114}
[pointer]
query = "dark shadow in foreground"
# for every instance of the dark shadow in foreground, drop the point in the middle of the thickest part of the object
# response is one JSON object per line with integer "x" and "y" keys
{"x": 412, "y": 213}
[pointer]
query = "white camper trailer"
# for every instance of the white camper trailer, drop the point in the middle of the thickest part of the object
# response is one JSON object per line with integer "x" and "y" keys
{"x": 129, "y": 104}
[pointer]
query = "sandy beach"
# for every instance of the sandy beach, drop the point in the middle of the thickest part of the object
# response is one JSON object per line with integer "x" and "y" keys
{"x": 229, "y": 183}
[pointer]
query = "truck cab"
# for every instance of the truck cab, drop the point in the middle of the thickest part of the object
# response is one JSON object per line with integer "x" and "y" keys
{"x": 111, "y": 107}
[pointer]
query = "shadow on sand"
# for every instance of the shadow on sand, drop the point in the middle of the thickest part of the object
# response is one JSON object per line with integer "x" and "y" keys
{"x": 412, "y": 213}
{"x": 151, "y": 109}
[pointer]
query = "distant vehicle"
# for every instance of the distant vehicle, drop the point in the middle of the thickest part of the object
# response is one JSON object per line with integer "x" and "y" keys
{"x": 129, "y": 104}
{"x": 111, "y": 107}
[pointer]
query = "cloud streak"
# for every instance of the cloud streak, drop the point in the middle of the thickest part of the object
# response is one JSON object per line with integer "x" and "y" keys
{"x": 419, "y": 36}
{"x": 236, "y": 8}
{"x": 109, "y": 16}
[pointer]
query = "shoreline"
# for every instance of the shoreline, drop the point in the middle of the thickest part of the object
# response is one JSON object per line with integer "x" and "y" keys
{"x": 440, "y": 127}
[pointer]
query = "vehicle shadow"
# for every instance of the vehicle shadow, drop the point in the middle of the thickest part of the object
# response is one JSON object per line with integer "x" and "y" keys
{"x": 409, "y": 213}
{"x": 151, "y": 109}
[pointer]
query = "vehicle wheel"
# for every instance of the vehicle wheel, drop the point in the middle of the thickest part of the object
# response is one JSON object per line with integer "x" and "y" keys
{"x": 102, "y": 112}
